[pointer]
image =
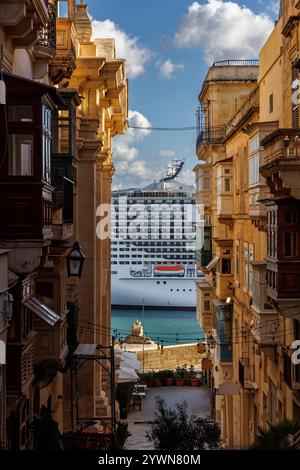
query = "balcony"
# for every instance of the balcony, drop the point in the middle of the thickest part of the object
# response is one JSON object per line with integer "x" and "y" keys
{"x": 203, "y": 185}
{"x": 45, "y": 47}
{"x": 264, "y": 317}
{"x": 247, "y": 375}
{"x": 205, "y": 306}
{"x": 204, "y": 255}
{"x": 25, "y": 183}
{"x": 224, "y": 274}
{"x": 224, "y": 192}
{"x": 64, "y": 62}
{"x": 22, "y": 20}
{"x": 224, "y": 332}
{"x": 210, "y": 136}
{"x": 281, "y": 162}
{"x": 20, "y": 371}
{"x": 283, "y": 257}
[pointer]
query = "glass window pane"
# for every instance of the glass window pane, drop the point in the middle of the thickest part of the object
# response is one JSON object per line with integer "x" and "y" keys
{"x": 20, "y": 113}
{"x": 20, "y": 155}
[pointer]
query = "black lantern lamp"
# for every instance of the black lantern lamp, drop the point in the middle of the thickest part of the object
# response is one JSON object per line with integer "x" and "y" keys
{"x": 211, "y": 341}
{"x": 75, "y": 261}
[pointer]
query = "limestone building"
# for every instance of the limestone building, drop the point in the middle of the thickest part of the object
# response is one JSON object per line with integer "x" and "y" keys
{"x": 65, "y": 98}
{"x": 248, "y": 187}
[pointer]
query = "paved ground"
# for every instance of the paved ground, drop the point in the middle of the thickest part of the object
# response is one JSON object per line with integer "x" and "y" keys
{"x": 197, "y": 399}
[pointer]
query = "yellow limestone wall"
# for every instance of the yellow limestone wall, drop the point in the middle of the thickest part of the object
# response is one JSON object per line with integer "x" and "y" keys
{"x": 170, "y": 357}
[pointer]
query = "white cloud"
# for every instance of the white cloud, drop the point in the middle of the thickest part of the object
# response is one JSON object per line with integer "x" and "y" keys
{"x": 167, "y": 68}
{"x": 127, "y": 47}
{"x": 133, "y": 174}
{"x": 223, "y": 30}
{"x": 273, "y": 7}
{"x": 167, "y": 153}
{"x": 124, "y": 145}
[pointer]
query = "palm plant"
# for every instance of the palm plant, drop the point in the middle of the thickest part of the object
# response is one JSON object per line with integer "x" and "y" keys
{"x": 278, "y": 437}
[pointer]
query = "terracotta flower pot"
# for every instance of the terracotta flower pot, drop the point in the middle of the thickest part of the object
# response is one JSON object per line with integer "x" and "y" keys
{"x": 148, "y": 382}
{"x": 168, "y": 381}
{"x": 195, "y": 382}
{"x": 180, "y": 382}
{"x": 156, "y": 383}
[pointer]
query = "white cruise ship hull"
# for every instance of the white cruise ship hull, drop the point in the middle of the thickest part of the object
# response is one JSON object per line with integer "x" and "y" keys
{"x": 154, "y": 293}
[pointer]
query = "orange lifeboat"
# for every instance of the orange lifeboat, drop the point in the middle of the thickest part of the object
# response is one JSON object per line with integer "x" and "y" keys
{"x": 174, "y": 271}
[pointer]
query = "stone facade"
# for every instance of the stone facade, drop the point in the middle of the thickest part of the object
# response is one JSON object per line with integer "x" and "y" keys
{"x": 253, "y": 330}
{"x": 87, "y": 108}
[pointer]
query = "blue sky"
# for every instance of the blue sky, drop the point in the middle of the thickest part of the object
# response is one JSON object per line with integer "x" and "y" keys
{"x": 169, "y": 45}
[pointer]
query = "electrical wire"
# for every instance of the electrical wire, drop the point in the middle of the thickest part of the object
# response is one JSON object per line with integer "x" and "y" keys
{"x": 175, "y": 129}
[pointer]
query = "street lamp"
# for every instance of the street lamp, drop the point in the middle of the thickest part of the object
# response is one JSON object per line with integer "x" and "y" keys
{"x": 75, "y": 261}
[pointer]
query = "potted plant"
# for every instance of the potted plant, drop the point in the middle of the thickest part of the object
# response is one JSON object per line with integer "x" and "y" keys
{"x": 180, "y": 376}
{"x": 193, "y": 379}
{"x": 147, "y": 379}
{"x": 168, "y": 380}
{"x": 156, "y": 382}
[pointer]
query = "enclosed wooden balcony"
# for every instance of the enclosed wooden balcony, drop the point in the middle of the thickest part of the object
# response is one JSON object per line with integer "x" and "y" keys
{"x": 20, "y": 365}
{"x": 224, "y": 332}
{"x": 265, "y": 318}
{"x": 224, "y": 272}
{"x": 281, "y": 162}
{"x": 203, "y": 185}
{"x": 205, "y": 306}
{"x": 204, "y": 255}
{"x": 25, "y": 176}
{"x": 283, "y": 257}
{"x": 224, "y": 192}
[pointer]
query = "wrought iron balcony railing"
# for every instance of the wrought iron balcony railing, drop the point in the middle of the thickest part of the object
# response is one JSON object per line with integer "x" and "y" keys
{"x": 47, "y": 34}
{"x": 210, "y": 135}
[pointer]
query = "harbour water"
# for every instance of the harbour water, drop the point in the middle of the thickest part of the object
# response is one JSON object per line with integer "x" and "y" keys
{"x": 173, "y": 327}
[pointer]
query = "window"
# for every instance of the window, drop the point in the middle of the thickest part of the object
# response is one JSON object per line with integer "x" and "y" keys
{"x": 47, "y": 144}
{"x": 290, "y": 244}
{"x": 271, "y": 104}
{"x": 20, "y": 154}
{"x": 45, "y": 289}
{"x": 206, "y": 306}
{"x": 237, "y": 260}
{"x": 254, "y": 160}
{"x": 246, "y": 266}
{"x": 226, "y": 266}
{"x": 20, "y": 113}
{"x": 227, "y": 185}
{"x": 254, "y": 170}
{"x": 251, "y": 259}
{"x": 295, "y": 97}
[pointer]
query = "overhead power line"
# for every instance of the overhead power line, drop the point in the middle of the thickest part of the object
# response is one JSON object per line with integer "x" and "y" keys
{"x": 192, "y": 128}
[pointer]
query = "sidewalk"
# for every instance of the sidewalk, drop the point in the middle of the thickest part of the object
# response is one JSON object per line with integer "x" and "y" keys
{"x": 197, "y": 399}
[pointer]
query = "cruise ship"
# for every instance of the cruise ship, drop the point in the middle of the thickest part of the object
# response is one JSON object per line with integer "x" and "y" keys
{"x": 153, "y": 244}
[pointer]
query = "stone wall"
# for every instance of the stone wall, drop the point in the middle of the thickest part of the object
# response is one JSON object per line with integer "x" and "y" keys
{"x": 170, "y": 357}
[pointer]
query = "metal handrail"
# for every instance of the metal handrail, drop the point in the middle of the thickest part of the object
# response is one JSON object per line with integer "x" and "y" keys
{"x": 237, "y": 63}
{"x": 47, "y": 34}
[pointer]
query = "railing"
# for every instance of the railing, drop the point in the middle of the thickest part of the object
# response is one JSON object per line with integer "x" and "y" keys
{"x": 212, "y": 135}
{"x": 237, "y": 63}
{"x": 47, "y": 34}
{"x": 251, "y": 103}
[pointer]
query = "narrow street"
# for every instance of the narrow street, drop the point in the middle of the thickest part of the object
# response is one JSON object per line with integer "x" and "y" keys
{"x": 197, "y": 399}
